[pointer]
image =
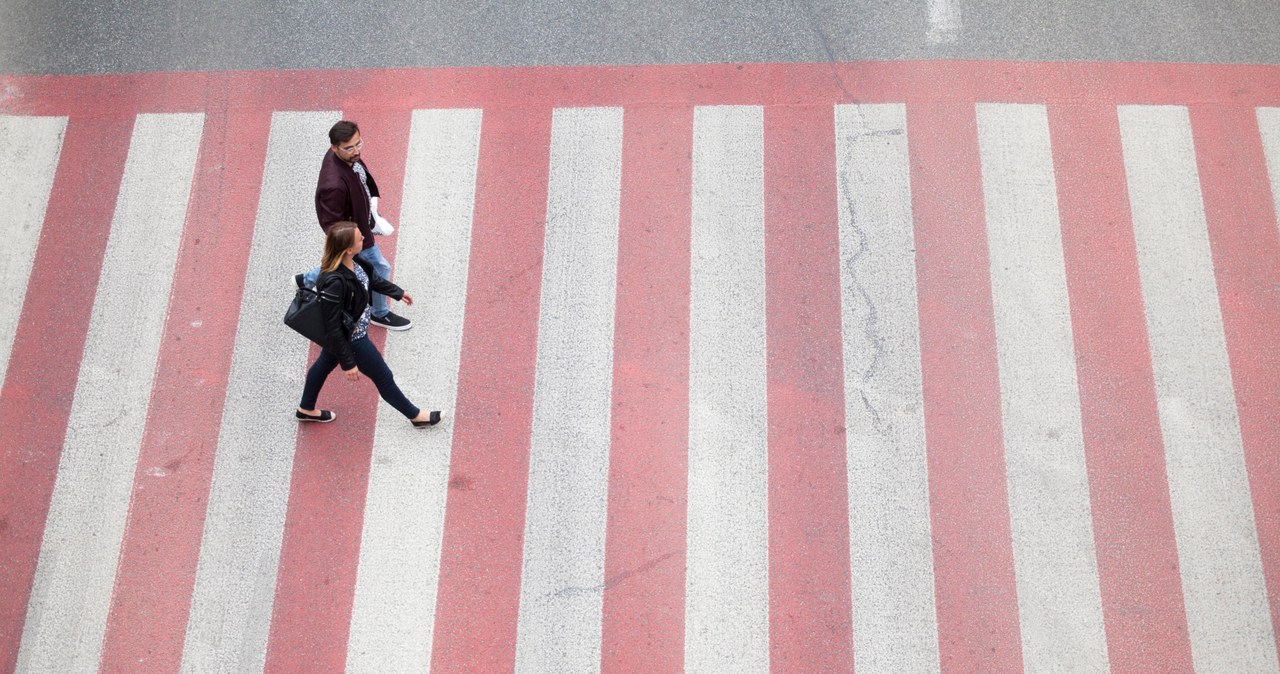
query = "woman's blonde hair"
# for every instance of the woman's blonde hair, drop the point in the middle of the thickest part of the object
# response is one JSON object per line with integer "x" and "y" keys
{"x": 337, "y": 241}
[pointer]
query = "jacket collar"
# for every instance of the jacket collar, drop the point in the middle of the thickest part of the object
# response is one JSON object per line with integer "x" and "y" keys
{"x": 367, "y": 267}
{"x": 332, "y": 158}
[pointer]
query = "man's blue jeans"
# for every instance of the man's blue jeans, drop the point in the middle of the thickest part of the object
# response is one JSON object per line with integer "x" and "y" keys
{"x": 380, "y": 265}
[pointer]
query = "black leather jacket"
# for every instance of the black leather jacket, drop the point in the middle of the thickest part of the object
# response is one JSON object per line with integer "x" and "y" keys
{"x": 343, "y": 283}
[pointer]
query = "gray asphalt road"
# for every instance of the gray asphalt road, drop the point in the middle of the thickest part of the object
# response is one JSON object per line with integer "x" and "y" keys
{"x": 79, "y": 36}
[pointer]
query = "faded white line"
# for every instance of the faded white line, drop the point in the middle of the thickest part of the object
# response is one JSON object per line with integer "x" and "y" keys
{"x": 235, "y": 581}
{"x": 944, "y": 22}
{"x": 393, "y": 612}
{"x": 727, "y": 582}
{"x": 34, "y": 146}
{"x": 1222, "y": 582}
{"x": 895, "y": 625}
{"x": 67, "y": 614}
{"x": 1269, "y": 127}
{"x": 1059, "y": 600}
{"x": 561, "y": 589}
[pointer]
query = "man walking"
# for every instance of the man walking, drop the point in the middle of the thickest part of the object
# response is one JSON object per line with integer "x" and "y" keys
{"x": 346, "y": 190}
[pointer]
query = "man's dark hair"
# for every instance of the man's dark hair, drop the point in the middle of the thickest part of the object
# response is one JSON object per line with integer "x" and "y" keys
{"x": 342, "y": 132}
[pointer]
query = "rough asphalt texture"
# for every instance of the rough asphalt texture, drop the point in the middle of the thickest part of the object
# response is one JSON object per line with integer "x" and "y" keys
{"x": 80, "y": 37}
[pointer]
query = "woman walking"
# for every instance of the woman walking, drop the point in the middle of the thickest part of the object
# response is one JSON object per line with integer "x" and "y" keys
{"x": 350, "y": 279}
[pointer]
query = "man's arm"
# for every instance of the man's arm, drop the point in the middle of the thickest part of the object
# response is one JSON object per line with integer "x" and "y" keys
{"x": 331, "y": 205}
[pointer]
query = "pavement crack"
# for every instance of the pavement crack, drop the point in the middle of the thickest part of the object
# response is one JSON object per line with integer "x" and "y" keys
{"x": 577, "y": 591}
{"x": 853, "y": 282}
{"x": 807, "y": 7}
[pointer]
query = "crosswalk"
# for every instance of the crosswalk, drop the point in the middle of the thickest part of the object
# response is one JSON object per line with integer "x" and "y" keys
{"x": 936, "y": 383}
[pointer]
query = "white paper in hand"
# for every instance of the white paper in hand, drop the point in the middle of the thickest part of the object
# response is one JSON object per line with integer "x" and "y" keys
{"x": 382, "y": 226}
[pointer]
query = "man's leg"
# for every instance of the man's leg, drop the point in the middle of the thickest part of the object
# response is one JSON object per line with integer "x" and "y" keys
{"x": 381, "y": 315}
{"x": 309, "y": 278}
{"x": 380, "y": 265}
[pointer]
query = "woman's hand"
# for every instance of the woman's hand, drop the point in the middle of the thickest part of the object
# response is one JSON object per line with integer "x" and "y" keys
{"x": 352, "y": 374}
{"x": 407, "y": 299}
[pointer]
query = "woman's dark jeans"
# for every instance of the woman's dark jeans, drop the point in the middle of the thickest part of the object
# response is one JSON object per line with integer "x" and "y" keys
{"x": 371, "y": 364}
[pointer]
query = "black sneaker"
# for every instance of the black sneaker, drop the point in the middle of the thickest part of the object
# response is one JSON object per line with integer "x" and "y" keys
{"x": 391, "y": 322}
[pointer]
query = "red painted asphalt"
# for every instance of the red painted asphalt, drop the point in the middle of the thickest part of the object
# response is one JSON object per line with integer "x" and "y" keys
{"x": 810, "y": 605}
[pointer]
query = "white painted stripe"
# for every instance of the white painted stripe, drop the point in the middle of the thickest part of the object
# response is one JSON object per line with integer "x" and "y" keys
{"x": 727, "y": 581}
{"x": 26, "y": 178}
{"x": 1222, "y": 582}
{"x": 67, "y": 614}
{"x": 1059, "y": 600}
{"x": 393, "y": 613}
{"x": 236, "y": 575}
{"x": 562, "y": 587}
{"x": 1269, "y": 126}
{"x": 944, "y": 22}
{"x": 895, "y": 627}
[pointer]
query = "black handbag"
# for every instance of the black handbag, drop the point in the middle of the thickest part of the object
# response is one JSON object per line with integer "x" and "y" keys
{"x": 306, "y": 317}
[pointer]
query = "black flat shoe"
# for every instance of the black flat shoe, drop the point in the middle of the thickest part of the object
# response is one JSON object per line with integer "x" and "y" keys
{"x": 432, "y": 420}
{"x": 324, "y": 417}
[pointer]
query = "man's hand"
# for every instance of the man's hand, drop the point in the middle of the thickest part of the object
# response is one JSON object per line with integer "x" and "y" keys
{"x": 352, "y": 374}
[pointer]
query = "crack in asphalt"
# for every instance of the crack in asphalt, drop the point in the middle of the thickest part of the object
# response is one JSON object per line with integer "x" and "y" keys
{"x": 807, "y": 8}
{"x": 577, "y": 591}
{"x": 855, "y": 286}
{"x": 871, "y": 326}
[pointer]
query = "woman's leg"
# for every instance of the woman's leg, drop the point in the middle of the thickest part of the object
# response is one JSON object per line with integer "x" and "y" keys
{"x": 316, "y": 375}
{"x": 374, "y": 367}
